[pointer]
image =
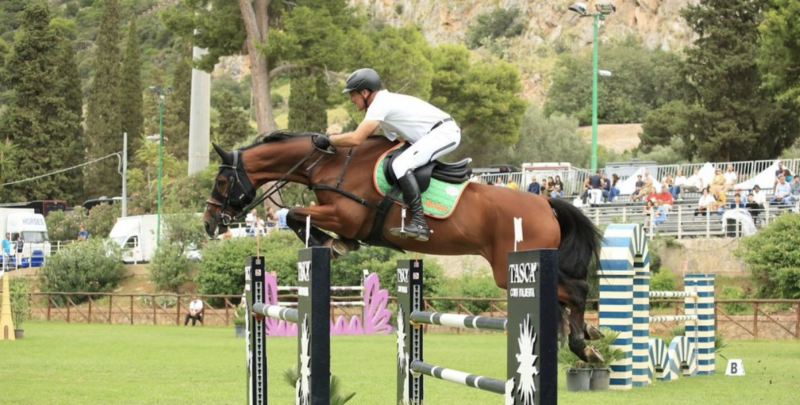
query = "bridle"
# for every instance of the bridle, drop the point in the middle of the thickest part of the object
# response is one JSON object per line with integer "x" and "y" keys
{"x": 240, "y": 195}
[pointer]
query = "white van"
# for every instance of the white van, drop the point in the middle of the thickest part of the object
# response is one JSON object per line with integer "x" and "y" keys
{"x": 22, "y": 222}
{"x": 136, "y": 236}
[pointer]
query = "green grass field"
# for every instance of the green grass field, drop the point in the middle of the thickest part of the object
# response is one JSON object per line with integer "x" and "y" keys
{"x": 59, "y": 363}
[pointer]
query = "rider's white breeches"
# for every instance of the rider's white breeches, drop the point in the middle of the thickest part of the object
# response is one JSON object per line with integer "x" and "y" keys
{"x": 439, "y": 142}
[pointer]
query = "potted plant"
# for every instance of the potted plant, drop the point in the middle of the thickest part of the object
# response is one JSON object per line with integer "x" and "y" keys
{"x": 601, "y": 376}
{"x": 20, "y": 308}
{"x": 239, "y": 323}
{"x": 578, "y": 371}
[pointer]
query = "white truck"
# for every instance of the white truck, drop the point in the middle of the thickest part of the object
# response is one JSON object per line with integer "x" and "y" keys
{"x": 136, "y": 235}
{"x": 23, "y": 222}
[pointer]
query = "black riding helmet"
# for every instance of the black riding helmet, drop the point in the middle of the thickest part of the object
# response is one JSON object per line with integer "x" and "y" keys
{"x": 363, "y": 79}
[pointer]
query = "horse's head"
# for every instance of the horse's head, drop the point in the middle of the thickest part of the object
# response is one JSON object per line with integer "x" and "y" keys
{"x": 232, "y": 192}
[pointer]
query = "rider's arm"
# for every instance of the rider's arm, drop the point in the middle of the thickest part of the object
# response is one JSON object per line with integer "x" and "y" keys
{"x": 365, "y": 129}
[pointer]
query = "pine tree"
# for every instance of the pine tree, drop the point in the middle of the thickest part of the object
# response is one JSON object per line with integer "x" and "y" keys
{"x": 308, "y": 103}
{"x": 131, "y": 91}
{"x": 103, "y": 122}
{"x": 233, "y": 126}
{"x": 177, "y": 108}
{"x": 42, "y": 118}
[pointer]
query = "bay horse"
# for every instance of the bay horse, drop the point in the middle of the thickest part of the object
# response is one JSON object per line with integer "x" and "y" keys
{"x": 481, "y": 224}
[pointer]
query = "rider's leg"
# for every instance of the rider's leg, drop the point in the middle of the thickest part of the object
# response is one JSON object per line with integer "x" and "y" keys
{"x": 437, "y": 143}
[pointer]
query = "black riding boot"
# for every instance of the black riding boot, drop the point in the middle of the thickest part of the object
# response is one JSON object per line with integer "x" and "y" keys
{"x": 417, "y": 228}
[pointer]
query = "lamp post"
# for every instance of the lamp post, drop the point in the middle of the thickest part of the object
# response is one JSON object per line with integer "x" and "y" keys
{"x": 604, "y": 8}
{"x": 160, "y": 92}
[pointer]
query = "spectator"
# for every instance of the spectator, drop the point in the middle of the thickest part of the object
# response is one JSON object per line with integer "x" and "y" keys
{"x": 251, "y": 220}
{"x": 595, "y": 189}
{"x": 664, "y": 198}
{"x": 730, "y": 178}
{"x": 669, "y": 182}
{"x": 557, "y": 182}
{"x": 82, "y": 234}
{"x": 704, "y": 204}
{"x": 679, "y": 181}
{"x": 6, "y": 242}
{"x": 783, "y": 192}
{"x": 718, "y": 182}
{"x": 778, "y": 173}
{"x": 606, "y": 187}
{"x": 195, "y": 312}
{"x": 614, "y": 191}
{"x": 550, "y": 186}
{"x": 787, "y": 175}
{"x": 753, "y": 207}
{"x": 271, "y": 219}
{"x": 499, "y": 182}
{"x": 534, "y": 186}
{"x": 282, "y": 218}
{"x": 654, "y": 212}
{"x": 512, "y": 185}
{"x": 720, "y": 200}
{"x": 694, "y": 184}
{"x": 737, "y": 202}
{"x": 759, "y": 197}
{"x": 637, "y": 195}
{"x": 796, "y": 188}
{"x": 648, "y": 188}
{"x": 20, "y": 245}
{"x": 557, "y": 193}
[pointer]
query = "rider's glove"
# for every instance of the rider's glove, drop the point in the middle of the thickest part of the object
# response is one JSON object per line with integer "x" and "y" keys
{"x": 322, "y": 142}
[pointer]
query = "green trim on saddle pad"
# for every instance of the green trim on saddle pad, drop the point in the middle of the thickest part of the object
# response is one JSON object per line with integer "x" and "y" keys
{"x": 438, "y": 201}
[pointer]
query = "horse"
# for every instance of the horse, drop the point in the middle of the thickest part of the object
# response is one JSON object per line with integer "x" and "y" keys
{"x": 481, "y": 224}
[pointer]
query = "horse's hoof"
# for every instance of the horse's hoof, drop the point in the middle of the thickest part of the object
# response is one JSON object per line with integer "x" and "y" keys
{"x": 338, "y": 248}
{"x": 592, "y": 332}
{"x": 592, "y": 355}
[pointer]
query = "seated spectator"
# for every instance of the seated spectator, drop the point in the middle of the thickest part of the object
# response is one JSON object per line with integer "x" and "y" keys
{"x": 783, "y": 192}
{"x": 549, "y": 186}
{"x": 694, "y": 184}
{"x": 512, "y": 185}
{"x": 557, "y": 193}
{"x": 704, "y": 204}
{"x": 534, "y": 186}
{"x": 271, "y": 219}
{"x": 82, "y": 234}
{"x": 251, "y": 220}
{"x": 606, "y": 187}
{"x": 613, "y": 191}
{"x": 499, "y": 182}
{"x": 282, "y": 218}
{"x": 669, "y": 182}
{"x": 796, "y": 188}
{"x": 654, "y": 213}
{"x": 753, "y": 207}
{"x": 595, "y": 189}
{"x": 647, "y": 188}
{"x": 637, "y": 192}
{"x": 664, "y": 198}
{"x": 737, "y": 202}
{"x": 718, "y": 182}
{"x": 758, "y": 196}
{"x": 557, "y": 182}
{"x": 730, "y": 178}
{"x": 720, "y": 200}
{"x": 679, "y": 181}
{"x": 195, "y": 312}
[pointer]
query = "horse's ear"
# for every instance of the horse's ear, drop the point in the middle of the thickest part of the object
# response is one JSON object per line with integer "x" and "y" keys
{"x": 227, "y": 157}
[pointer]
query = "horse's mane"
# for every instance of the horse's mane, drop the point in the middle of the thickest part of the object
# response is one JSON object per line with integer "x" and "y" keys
{"x": 282, "y": 135}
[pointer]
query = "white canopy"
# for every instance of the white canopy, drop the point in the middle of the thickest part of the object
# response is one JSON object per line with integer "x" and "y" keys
{"x": 706, "y": 173}
{"x": 765, "y": 179}
{"x": 628, "y": 186}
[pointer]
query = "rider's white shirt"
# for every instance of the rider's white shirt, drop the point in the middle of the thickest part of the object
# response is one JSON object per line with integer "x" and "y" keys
{"x": 405, "y": 116}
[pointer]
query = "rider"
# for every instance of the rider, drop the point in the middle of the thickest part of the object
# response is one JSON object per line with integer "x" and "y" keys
{"x": 431, "y": 132}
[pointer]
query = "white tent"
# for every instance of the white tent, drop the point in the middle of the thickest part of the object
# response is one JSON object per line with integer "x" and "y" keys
{"x": 628, "y": 186}
{"x": 765, "y": 179}
{"x": 706, "y": 173}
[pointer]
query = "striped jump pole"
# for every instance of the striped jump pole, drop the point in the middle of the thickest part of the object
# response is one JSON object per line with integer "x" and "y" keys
{"x": 533, "y": 314}
{"x": 313, "y": 331}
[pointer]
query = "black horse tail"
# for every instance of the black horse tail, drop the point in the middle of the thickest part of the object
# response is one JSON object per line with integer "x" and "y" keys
{"x": 580, "y": 241}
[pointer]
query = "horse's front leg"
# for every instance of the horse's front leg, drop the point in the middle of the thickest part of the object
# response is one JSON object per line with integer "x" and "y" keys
{"x": 322, "y": 216}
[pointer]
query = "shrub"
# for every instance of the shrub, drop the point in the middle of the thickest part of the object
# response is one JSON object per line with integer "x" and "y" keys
{"x": 101, "y": 219}
{"x": 169, "y": 268}
{"x": 664, "y": 280}
{"x": 92, "y": 266}
{"x": 734, "y": 308}
{"x": 20, "y": 307}
{"x": 222, "y": 268}
{"x": 773, "y": 258}
{"x": 499, "y": 23}
{"x": 65, "y": 225}
{"x": 471, "y": 285}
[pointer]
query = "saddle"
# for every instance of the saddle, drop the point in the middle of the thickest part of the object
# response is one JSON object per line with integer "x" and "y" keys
{"x": 455, "y": 173}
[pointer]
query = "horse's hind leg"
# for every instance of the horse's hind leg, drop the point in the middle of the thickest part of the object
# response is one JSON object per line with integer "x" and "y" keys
{"x": 573, "y": 293}
{"x": 317, "y": 237}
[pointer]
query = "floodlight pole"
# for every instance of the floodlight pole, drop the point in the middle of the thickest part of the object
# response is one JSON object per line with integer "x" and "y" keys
{"x": 596, "y": 19}
{"x": 160, "y": 149}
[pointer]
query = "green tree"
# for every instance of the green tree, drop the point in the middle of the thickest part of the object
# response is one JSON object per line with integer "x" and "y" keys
{"x": 233, "y": 127}
{"x": 177, "y": 110}
{"x": 131, "y": 102}
{"x": 729, "y": 114}
{"x": 40, "y": 119}
{"x": 103, "y": 121}
{"x": 308, "y": 103}
{"x": 773, "y": 259}
{"x": 493, "y": 25}
{"x": 779, "y": 49}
